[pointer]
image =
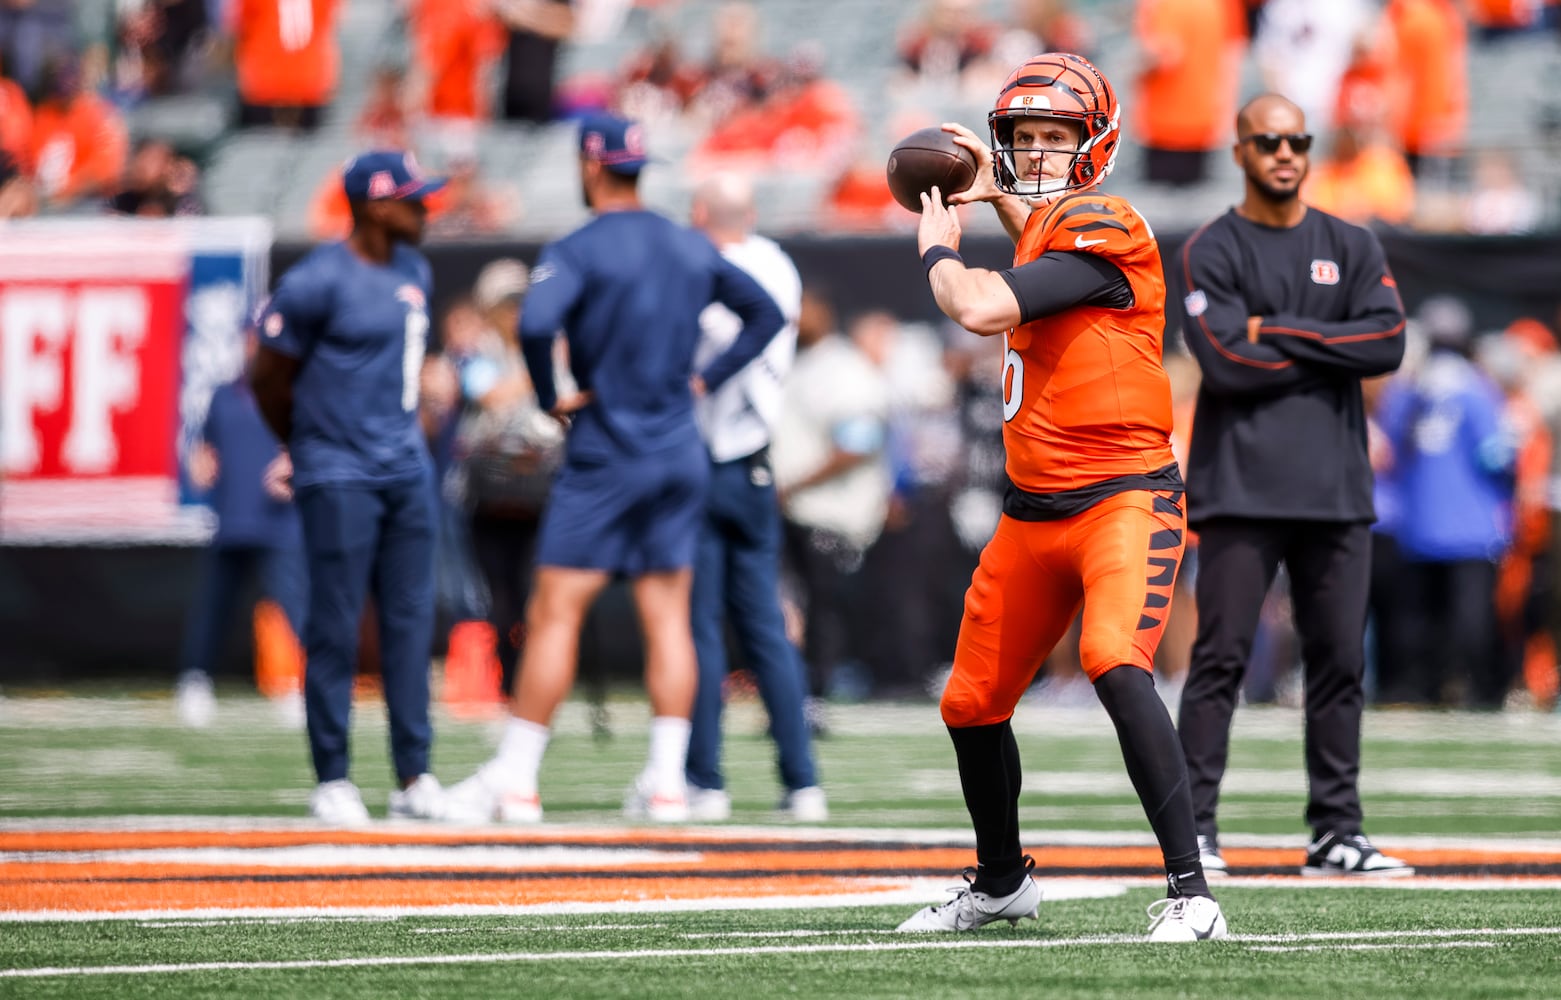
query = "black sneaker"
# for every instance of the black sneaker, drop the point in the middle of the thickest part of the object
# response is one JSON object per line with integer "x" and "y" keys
{"x": 1350, "y": 854}
{"x": 1209, "y": 856}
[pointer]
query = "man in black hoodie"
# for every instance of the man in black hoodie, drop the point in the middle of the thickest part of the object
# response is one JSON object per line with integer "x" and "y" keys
{"x": 1287, "y": 309}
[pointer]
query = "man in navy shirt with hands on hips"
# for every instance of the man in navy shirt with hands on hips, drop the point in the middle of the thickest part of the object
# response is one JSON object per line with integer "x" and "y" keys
{"x": 336, "y": 377}
{"x": 627, "y": 289}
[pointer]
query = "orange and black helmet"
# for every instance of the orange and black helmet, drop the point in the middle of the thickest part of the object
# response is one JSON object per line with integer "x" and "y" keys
{"x": 1057, "y": 85}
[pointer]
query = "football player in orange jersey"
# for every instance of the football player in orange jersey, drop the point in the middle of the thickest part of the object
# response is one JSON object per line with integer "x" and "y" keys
{"x": 1093, "y": 515}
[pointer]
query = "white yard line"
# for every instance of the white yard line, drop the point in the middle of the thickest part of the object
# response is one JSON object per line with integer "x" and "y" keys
{"x": 1413, "y": 939}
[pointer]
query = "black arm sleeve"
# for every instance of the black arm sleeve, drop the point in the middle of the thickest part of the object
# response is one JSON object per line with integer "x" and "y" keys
{"x": 1062, "y": 279}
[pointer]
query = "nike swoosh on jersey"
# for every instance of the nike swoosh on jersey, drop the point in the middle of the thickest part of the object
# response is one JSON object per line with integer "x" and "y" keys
{"x": 1081, "y": 242}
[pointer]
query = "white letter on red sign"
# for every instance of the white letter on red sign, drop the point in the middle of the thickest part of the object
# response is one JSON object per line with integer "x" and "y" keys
{"x": 105, "y": 373}
{"x": 33, "y": 327}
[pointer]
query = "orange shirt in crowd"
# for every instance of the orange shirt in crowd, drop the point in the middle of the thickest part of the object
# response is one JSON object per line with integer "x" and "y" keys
{"x": 1374, "y": 184}
{"x": 16, "y": 124}
{"x": 1506, "y": 13}
{"x": 1432, "y": 46}
{"x": 1186, "y": 98}
{"x": 285, "y": 51}
{"x": 78, "y": 149}
{"x": 454, "y": 41}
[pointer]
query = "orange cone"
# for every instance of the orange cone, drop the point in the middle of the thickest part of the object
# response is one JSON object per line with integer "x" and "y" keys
{"x": 471, "y": 670}
{"x": 279, "y": 657}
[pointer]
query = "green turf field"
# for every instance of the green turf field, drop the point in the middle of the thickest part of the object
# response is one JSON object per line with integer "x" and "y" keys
{"x": 79, "y": 762}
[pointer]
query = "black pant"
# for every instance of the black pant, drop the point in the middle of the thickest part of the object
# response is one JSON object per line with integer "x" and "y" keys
{"x": 506, "y": 549}
{"x": 826, "y": 565}
{"x": 1452, "y": 608}
{"x": 1330, "y": 568}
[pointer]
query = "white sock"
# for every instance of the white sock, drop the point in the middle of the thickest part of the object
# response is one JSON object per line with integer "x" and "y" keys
{"x": 520, "y": 755}
{"x": 668, "y": 754}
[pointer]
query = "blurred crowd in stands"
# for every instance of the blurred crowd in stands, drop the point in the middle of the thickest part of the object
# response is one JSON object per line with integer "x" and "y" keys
{"x": 1385, "y": 85}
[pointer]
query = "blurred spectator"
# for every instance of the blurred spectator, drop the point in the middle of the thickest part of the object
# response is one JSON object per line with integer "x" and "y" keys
{"x": 383, "y": 121}
{"x": 467, "y": 205}
{"x": 157, "y": 44}
{"x": 1497, "y": 19}
{"x": 947, "y": 39}
{"x": 1186, "y": 90}
{"x": 16, "y": 190}
{"x": 158, "y": 183}
{"x": 804, "y": 122}
{"x": 287, "y": 60}
{"x": 833, "y": 478}
{"x": 536, "y": 30}
{"x": 1432, "y": 46}
{"x": 1519, "y": 615}
{"x": 1303, "y": 48}
{"x": 79, "y": 140}
{"x": 1453, "y": 460}
{"x": 16, "y": 122}
{"x": 33, "y": 33}
{"x": 1362, "y": 180}
{"x": 656, "y": 84}
{"x": 460, "y": 597}
{"x": 1389, "y": 646}
{"x": 860, "y": 201}
{"x": 1040, "y": 26}
{"x": 737, "y": 75}
{"x": 1498, "y": 202}
{"x": 1371, "y": 88}
{"x": 455, "y": 44}
{"x": 248, "y": 476}
{"x": 509, "y": 449}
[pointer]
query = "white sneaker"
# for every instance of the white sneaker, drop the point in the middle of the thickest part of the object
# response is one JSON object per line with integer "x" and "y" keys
{"x": 422, "y": 799}
{"x": 337, "y": 803}
{"x": 1210, "y": 857}
{"x": 1186, "y": 918}
{"x": 482, "y": 799}
{"x": 805, "y": 805}
{"x": 709, "y": 805}
{"x": 195, "y": 701}
{"x": 970, "y": 910}
{"x": 659, "y": 805}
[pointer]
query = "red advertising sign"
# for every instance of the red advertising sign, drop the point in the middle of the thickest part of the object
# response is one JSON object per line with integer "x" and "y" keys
{"x": 91, "y": 322}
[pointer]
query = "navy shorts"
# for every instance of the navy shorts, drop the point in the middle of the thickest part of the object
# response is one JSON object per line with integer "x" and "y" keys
{"x": 628, "y": 516}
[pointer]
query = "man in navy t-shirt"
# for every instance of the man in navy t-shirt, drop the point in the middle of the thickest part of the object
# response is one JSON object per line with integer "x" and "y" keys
{"x": 336, "y": 376}
{"x": 627, "y": 289}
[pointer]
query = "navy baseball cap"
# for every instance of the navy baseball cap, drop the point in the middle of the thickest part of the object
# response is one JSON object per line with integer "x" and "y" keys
{"x": 616, "y": 143}
{"x": 387, "y": 174}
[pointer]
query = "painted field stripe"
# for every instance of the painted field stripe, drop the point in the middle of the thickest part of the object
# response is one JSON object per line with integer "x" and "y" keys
{"x": 1394, "y": 946}
{"x": 918, "y": 944}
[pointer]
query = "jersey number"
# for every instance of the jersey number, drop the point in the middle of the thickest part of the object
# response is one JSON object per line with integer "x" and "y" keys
{"x": 295, "y": 23}
{"x": 1013, "y": 381}
{"x": 412, "y": 356}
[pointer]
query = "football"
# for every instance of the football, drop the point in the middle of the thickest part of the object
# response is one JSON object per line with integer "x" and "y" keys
{"x": 925, "y": 158}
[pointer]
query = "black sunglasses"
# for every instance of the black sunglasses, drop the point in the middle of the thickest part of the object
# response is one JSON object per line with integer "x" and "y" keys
{"x": 1267, "y": 143}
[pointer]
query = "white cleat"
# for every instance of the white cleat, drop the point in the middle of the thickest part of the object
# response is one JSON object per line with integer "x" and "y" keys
{"x": 1210, "y": 858}
{"x": 195, "y": 700}
{"x": 480, "y": 800}
{"x": 1351, "y": 855}
{"x": 708, "y": 805}
{"x": 338, "y": 803}
{"x": 1186, "y": 918}
{"x": 805, "y": 805}
{"x": 658, "y": 805}
{"x": 970, "y": 910}
{"x": 422, "y": 799}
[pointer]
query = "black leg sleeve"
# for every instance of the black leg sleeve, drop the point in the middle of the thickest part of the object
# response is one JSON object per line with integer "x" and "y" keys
{"x": 1154, "y": 762}
{"x": 989, "y": 775}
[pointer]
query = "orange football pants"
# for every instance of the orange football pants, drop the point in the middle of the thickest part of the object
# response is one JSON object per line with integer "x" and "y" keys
{"x": 1118, "y": 559}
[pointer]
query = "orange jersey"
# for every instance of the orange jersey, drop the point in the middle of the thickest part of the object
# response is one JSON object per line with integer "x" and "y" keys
{"x": 1086, "y": 398}
{"x": 285, "y": 51}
